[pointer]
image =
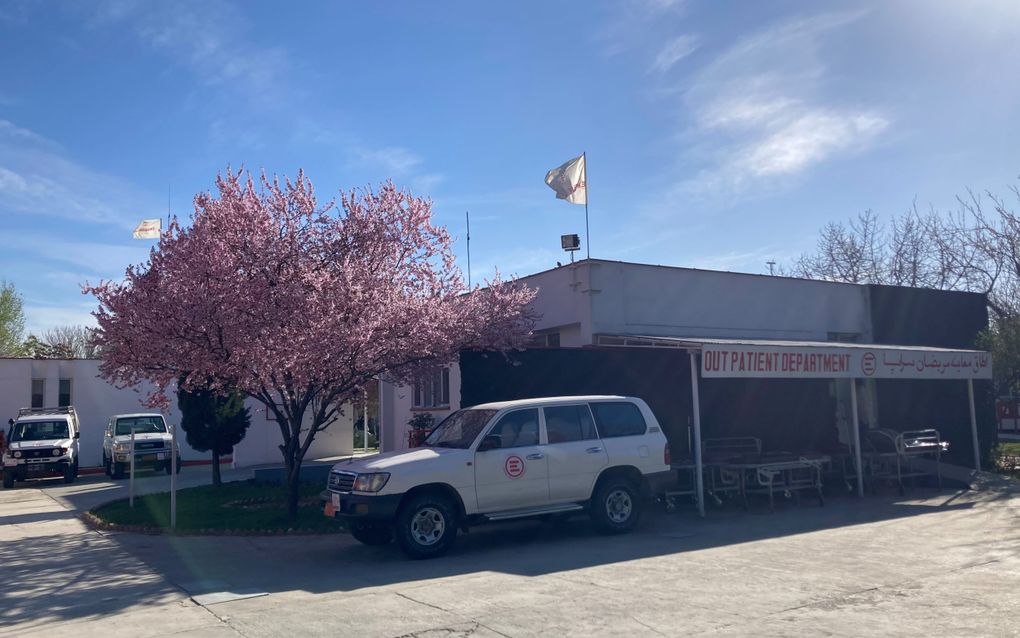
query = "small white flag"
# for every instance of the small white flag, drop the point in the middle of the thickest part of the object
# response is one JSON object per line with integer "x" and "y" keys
{"x": 148, "y": 229}
{"x": 569, "y": 181}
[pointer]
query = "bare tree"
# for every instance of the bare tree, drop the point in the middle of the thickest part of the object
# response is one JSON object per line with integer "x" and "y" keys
{"x": 71, "y": 342}
{"x": 852, "y": 252}
{"x": 974, "y": 248}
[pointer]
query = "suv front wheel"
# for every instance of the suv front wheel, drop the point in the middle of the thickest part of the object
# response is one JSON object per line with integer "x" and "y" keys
{"x": 426, "y": 526}
{"x": 616, "y": 506}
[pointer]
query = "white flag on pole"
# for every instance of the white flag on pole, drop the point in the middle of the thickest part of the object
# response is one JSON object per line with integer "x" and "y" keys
{"x": 568, "y": 180}
{"x": 148, "y": 229}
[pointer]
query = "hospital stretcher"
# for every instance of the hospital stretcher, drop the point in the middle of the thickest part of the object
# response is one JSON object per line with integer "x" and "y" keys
{"x": 735, "y": 466}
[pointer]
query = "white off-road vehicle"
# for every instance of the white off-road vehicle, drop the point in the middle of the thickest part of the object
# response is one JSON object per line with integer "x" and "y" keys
{"x": 42, "y": 442}
{"x": 501, "y": 461}
{"x": 153, "y": 442}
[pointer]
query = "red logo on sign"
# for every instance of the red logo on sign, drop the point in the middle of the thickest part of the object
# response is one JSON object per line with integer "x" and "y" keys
{"x": 514, "y": 467}
{"x": 868, "y": 363}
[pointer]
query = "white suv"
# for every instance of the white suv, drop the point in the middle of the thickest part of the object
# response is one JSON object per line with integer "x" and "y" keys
{"x": 42, "y": 442}
{"x": 152, "y": 444}
{"x": 501, "y": 461}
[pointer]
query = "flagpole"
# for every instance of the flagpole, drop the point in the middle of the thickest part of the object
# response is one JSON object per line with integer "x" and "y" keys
{"x": 467, "y": 216}
{"x": 587, "y": 233}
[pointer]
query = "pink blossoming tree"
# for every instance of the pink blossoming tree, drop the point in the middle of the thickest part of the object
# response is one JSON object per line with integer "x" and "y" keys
{"x": 297, "y": 304}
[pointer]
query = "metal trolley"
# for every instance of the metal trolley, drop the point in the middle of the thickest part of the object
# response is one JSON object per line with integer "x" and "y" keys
{"x": 735, "y": 466}
{"x": 893, "y": 454}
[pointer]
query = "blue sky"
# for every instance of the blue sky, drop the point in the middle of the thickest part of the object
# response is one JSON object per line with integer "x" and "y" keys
{"x": 719, "y": 134}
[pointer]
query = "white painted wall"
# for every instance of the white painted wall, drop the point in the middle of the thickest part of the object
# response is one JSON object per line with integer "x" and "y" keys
{"x": 261, "y": 446}
{"x": 662, "y": 301}
{"x": 396, "y": 403}
{"x": 603, "y": 297}
{"x": 96, "y": 401}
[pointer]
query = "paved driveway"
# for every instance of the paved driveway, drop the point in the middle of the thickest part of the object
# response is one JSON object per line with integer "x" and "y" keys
{"x": 934, "y": 562}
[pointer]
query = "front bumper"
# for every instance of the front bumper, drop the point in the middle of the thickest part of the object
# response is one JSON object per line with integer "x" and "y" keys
{"x": 144, "y": 458}
{"x": 23, "y": 468}
{"x": 347, "y": 507}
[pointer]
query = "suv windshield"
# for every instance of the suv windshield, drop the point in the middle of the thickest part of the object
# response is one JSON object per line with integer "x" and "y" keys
{"x": 39, "y": 430}
{"x": 140, "y": 425}
{"x": 460, "y": 429}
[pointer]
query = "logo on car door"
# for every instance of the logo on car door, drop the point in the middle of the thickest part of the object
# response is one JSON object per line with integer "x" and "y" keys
{"x": 514, "y": 467}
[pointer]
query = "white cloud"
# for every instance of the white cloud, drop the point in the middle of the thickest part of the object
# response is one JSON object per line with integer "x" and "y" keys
{"x": 761, "y": 106}
{"x": 40, "y": 317}
{"x": 394, "y": 161}
{"x": 673, "y": 51}
{"x": 209, "y": 38}
{"x": 37, "y": 179}
{"x": 807, "y": 140}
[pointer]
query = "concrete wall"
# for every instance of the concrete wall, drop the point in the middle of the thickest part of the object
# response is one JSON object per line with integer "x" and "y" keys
{"x": 396, "y": 409}
{"x": 96, "y": 401}
{"x": 661, "y": 301}
{"x": 261, "y": 445}
{"x": 589, "y": 298}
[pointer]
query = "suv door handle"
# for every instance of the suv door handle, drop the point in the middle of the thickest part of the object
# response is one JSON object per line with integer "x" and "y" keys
{"x": 536, "y": 456}
{"x": 593, "y": 450}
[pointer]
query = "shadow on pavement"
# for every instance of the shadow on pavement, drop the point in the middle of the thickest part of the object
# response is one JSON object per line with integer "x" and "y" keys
{"x": 49, "y": 578}
{"x": 319, "y": 564}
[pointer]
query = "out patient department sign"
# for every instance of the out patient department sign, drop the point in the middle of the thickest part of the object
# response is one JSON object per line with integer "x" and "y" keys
{"x": 800, "y": 362}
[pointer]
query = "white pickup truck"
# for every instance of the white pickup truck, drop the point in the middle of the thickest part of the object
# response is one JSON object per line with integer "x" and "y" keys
{"x": 42, "y": 442}
{"x": 152, "y": 445}
{"x": 501, "y": 461}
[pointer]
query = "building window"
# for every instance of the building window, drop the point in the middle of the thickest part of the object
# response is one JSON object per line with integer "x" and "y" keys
{"x": 38, "y": 392}
{"x": 547, "y": 340}
{"x": 432, "y": 390}
{"x": 64, "y": 394}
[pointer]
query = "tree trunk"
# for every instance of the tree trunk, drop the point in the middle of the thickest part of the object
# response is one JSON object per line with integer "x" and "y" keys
{"x": 216, "y": 468}
{"x": 293, "y": 486}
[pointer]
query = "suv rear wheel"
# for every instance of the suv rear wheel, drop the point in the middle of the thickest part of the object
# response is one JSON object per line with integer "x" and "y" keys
{"x": 426, "y": 526}
{"x": 372, "y": 533}
{"x": 616, "y": 506}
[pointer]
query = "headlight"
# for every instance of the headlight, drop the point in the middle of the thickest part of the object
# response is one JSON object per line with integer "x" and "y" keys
{"x": 17, "y": 454}
{"x": 57, "y": 451}
{"x": 121, "y": 447}
{"x": 371, "y": 482}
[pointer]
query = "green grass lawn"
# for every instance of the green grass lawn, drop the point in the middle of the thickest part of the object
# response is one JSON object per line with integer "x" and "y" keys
{"x": 241, "y": 506}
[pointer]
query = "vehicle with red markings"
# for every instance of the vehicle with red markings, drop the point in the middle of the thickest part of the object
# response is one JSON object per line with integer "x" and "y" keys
{"x": 503, "y": 461}
{"x": 42, "y": 442}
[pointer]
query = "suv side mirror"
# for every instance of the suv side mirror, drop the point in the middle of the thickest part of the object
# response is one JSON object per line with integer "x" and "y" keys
{"x": 77, "y": 434}
{"x": 10, "y": 422}
{"x": 490, "y": 442}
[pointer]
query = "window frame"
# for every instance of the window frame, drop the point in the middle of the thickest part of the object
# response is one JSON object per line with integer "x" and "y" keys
{"x": 539, "y": 417}
{"x": 594, "y": 424}
{"x": 41, "y": 395}
{"x": 603, "y": 432}
{"x": 60, "y": 393}
{"x": 424, "y": 395}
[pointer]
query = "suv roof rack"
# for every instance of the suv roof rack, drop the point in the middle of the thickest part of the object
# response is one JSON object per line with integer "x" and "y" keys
{"x": 33, "y": 411}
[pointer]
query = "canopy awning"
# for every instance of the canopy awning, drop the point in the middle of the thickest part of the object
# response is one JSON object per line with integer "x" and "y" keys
{"x": 775, "y": 359}
{"x": 761, "y": 358}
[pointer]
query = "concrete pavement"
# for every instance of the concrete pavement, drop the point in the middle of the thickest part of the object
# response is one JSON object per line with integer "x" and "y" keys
{"x": 937, "y": 562}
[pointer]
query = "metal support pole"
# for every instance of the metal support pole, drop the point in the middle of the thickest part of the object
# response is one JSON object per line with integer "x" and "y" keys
{"x": 173, "y": 476}
{"x": 365, "y": 422}
{"x": 973, "y": 425}
{"x": 131, "y": 479}
{"x": 856, "y": 425}
{"x": 698, "y": 478}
